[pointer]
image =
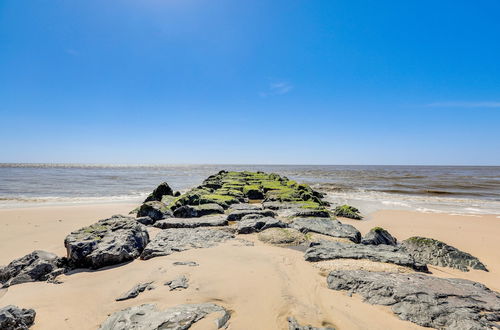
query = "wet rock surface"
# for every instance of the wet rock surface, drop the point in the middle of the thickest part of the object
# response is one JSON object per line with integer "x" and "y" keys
{"x": 169, "y": 241}
{"x": 178, "y": 283}
{"x": 253, "y": 225}
{"x": 135, "y": 291}
{"x": 15, "y": 318}
{"x": 434, "y": 252}
{"x": 294, "y": 325}
{"x": 377, "y": 236}
{"x": 179, "y": 317}
{"x": 328, "y": 227}
{"x": 440, "y": 303}
{"x": 36, "y": 266}
{"x": 381, "y": 253}
{"x": 207, "y": 221}
{"x": 192, "y": 211}
{"x": 107, "y": 242}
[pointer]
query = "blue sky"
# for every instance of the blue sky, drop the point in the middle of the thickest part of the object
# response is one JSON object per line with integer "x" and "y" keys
{"x": 224, "y": 81}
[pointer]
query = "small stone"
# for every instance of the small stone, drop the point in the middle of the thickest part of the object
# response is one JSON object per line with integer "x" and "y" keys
{"x": 135, "y": 291}
{"x": 294, "y": 325}
{"x": 15, "y": 318}
{"x": 186, "y": 263}
{"x": 178, "y": 283}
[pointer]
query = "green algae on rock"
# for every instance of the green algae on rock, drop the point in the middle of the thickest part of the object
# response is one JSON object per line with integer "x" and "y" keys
{"x": 347, "y": 211}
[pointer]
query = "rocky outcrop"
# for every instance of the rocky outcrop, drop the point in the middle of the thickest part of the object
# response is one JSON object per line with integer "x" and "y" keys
{"x": 294, "y": 325}
{"x": 441, "y": 303}
{"x": 328, "y": 227}
{"x": 179, "y": 283}
{"x": 15, "y": 318}
{"x": 238, "y": 214}
{"x": 434, "y": 252}
{"x": 207, "y": 221}
{"x": 282, "y": 236}
{"x": 107, "y": 242}
{"x": 193, "y": 211}
{"x": 160, "y": 191}
{"x": 135, "y": 291}
{"x": 36, "y": 266}
{"x": 155, "y": 210}
{"x": 380, "y": 253}
{"x": 169, "y": 241}
{"x": 179, "y": 317}
{"x": 249, "y": 226}
{"x": 347, "y": 211}
{"x": 377, "y": 236}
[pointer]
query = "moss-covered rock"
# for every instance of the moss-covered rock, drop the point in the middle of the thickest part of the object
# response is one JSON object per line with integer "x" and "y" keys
{"x": 162, "y": 190}
{"x": 347, "y": 211}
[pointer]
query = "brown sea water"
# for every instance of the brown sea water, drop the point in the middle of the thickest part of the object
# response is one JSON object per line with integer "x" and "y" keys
{"x": 456, "y": 189}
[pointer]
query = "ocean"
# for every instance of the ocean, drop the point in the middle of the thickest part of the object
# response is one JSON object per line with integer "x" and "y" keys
{"x": 451, "y": 189}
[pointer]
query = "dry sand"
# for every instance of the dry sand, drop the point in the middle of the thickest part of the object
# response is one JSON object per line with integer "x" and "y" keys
{"x": 262, "y": 284}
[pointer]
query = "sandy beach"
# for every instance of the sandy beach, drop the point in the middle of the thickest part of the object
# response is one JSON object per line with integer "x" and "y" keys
{"x": 261, "y": 284}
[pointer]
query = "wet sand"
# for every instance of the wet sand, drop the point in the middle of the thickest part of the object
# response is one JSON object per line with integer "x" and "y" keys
{"x": 261, "y": 284}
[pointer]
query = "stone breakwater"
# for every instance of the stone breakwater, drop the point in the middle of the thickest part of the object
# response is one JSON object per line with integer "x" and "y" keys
{"x": 279, "y": 211}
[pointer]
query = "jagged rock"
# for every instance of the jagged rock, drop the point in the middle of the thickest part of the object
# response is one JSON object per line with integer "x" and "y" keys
{"x": 15, "y": 318}
{"x": 316, "y": 213}
{"x": 180, "y": 317}
{"x": 278, "y": 205}
{"x": 186, "y": 263}
{"x": 249, "y": 226}
{"x": 193, "y": 211}
{"x": 282, "y": 236}
{"x": 207, "y": 221}
{"x": 245, "y": 206}
{"x": 147, "y": 221}
{"x": 160, "y": 191}
{"x": 155, "y": 210}
{"x": 252, "y": 216}
{"x": 107, "y": 242}
{"x": 294, "y": 325}
{"x": 178, "y": 283}
{"x": 441, "y": 303}
{"x": 238, "y": 214}
{"x": 326, "y": 250}
{"x": 434, "y": 252}
{"x": 169, "y": 241}
{"x": 378, "y": 236}
{"x": 328, "y": 227}
{"x": 347, "y": 211}
{"x": 36, "y": 266}
{"x": 135, "y": 291}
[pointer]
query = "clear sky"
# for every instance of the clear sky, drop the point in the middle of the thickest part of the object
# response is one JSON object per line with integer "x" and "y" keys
{"x": 275, "y": 81}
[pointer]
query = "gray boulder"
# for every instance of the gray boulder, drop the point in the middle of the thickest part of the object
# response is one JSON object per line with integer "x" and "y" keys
{"x": 147, "y": 221}
{"x": 325, "y": 226}
{"x": 245, "y": 206}
{"x": 193, "y": 211}
{"x": 294, "y": 325}
{"x": 148, "y": 317}
{"x": 36, "y": 266}
{"x": 441, "y": 303}
{"x": 15, "y": 318}
{"x": 155, "y": 210}
{"x": 169, "y": 241}
{"x": 252, "y": 216}
{"x": 135, "y": 291}
{"x": 238, "y": 214}
{"x": 249, "y": 226}
{"x": 107, "y": 242}
{"x": 326, "y": 250}
{"x": 162, "y": 190}
{"x": 434, "y": 252}
{"x": 316, "y": 213}
{"x": 178, "y": 283}
{"x": 378, "y": 236}
{"x": 207, "y": 221}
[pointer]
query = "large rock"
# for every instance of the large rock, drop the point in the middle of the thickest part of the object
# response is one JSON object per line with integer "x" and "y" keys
{"x": 434, "y": 252}
{"x": 377, "y": 236}
{"x": 160, "y": 191}
{"x": 207, "y": 221}
{"x": 36, "y": 266}
{"x": 249, "y": 226}
{"x": 238, "y": 214}
{"x": 148, "y": 317}
{"x": 107, "y": 242}
{"x": 327, "y": 227}
{"x": 169, "y": 241}
{"x": 193, "y": 211}
{"x": 381, "y": 253}
{"x": 294, "y": 325}
{"x": 135, "y": 291}
{"x": 282, "y": 236}
{"x": 15, "y": 318}
{"x": 315, "y": 213}
{"x": 155, "y": 210}
{"x": 441, "y": 303}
